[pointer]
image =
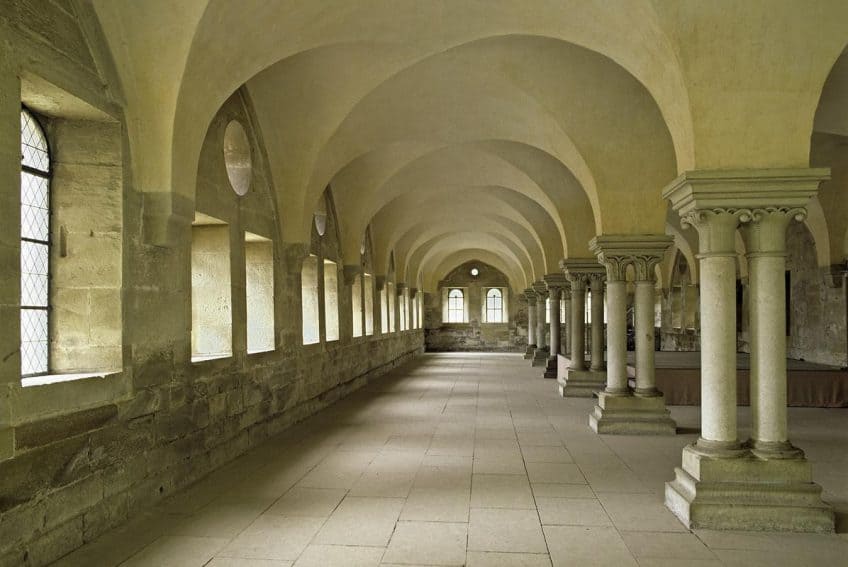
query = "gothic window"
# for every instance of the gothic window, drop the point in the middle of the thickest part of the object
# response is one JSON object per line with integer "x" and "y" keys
{"x": 35, "y": 247}
{"x": 494, "y": 306}
{"x": 456, "y": 306}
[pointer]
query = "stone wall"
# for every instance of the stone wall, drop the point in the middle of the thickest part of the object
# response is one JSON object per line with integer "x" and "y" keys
{"x": 817, "y": 330}
{"x": 475, "y": 335}
{"x": 80, "y": 456}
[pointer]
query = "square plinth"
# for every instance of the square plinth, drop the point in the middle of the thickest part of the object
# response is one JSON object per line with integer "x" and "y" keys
{"x": 581, "y": 383}
{"x": 747, "y": 493}
{"x": 631, "y": 415}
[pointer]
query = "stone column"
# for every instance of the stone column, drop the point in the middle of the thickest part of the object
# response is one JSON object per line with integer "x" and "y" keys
{"x": 618, "y": 411}
{"x": 565, "y": 340}
{"x": 540, "y": 357}
{"x": 531, "y": 323}
{"x": 578, "y": 321}
{"x": 766, "y": 484}
{"x": 580, "y": 381}
{"x": 555, "y": 283}
{"x": 645, "y": 301}
{"x": 596, "y": 286}
{"x": 765, "y": 241}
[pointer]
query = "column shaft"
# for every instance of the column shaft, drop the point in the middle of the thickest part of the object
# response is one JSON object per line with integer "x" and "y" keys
{"x": 646, "y": 383}
{"x": 718, "y": 348}
{"x": 578, "y": 327}
{"x": 531, "y": 323}
{"x": 598, "y": 363}
{"x": 555, "y": 338}
{"x": 540, "y": 322}
{"x": 768, "y": 347}
{"x": 565, "y": 340}
{"x": 616, "y": 338}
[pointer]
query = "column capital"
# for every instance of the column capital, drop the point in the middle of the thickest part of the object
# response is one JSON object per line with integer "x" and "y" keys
{"x": 596, "y": 281}
{"x": 642, "y": 251}
{"x": 558, "y": 281}
{"x": 413, "y": 291}
{"x": 530, "y": 294}
{"x": 399, "y": 287}
{"x": 541, "y": 289}
{"x": 717, "y": 202}
{"x": 379, "y": 282}
{"x": 579, "y": 270}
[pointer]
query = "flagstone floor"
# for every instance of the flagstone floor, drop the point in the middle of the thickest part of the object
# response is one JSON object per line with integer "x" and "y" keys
{"x": 463, "y": 459}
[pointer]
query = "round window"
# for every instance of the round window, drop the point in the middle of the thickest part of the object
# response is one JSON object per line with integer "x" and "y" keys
{"x": 237, "y": 157}
{"x": 475, "y": 272}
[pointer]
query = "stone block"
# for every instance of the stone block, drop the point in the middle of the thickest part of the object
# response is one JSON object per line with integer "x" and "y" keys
{"x": 631, "y": 415}
{"x": 20, "y": 524}
{"x": 56, "y": 543}
{"x": 69, "y": 501}
{"x": 49, "y": 430}
{"x": 107, "y": 514}
{"x": 747, "y": 493}
{"x": 7, "y": 443}
{"x": 581, "y": 383}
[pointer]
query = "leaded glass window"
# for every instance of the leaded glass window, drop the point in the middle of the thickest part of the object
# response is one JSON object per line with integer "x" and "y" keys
{"x": 494, "y": 306}
{"x": 456, "y": 306}
{"x": 35, "y": 247}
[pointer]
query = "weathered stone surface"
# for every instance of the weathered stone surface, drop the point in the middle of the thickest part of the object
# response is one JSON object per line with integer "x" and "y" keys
{"x": 47, "y": 431}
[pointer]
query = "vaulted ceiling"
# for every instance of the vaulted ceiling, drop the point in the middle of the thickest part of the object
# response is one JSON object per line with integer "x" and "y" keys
{"x": 511, "y": 130}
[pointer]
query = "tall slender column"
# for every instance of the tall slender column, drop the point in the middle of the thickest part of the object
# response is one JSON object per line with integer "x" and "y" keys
{"x": 618, "y": 411}
{"x": 645, "y": 301}
{"x": 540, "y": 358}
{"x": 555, "y": 283}
{"x": 531, "y": 323}
{"x": 578, "y": 326}
{"x": 765, "y": 239}
{"x": 767, "y": 483}
{"x": 717, "y": 257}
{"x": 580, "y": 381}
{"x": 565, "y": 340}
{"x": 596, "y": 286}
{"x": 616, "y": 335}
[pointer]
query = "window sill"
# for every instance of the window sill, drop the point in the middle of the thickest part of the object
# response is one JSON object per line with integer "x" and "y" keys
{"x": 205, "y": 358}
{"x": 260, "y": 351}
{"x": 69, "y": 377}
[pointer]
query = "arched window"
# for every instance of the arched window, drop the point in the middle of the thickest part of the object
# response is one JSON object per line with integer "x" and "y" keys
{"x": 35, "y": 247}
{"x": 456, "y": 306}
{"x": 494, "y": 306}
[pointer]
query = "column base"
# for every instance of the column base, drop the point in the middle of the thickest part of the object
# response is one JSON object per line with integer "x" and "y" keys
{"x": 581, "y": 383}
{"x": 747, "y": 493}
{"x": 540, "y": 357}
{"x": 618, "y": 414}
{"x": 551, "y": 369}
{"x": 528, "y": 353}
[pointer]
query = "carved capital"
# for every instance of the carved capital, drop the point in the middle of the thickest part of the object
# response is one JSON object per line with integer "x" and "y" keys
{"x": 643, "y": 252}
{"x": 765, "y": 231}
{"x": 541, "y": 290}
{"x": 579, "y": 271}
{"x": 379, "y": 283}
{"x": 596, "y": 281}
{"x": 716, "y": 202}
